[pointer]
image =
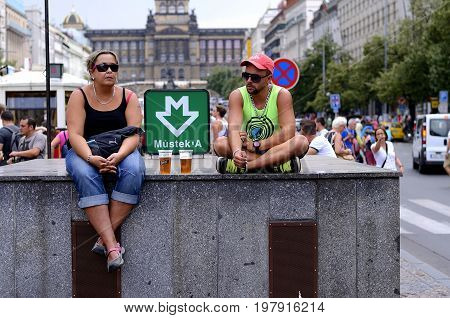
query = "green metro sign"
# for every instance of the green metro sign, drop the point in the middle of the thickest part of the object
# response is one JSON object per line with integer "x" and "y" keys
{"x": 177, "y": 120}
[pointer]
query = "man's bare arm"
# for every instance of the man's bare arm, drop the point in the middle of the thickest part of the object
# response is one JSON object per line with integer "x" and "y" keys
{"x": 286, "y": 119}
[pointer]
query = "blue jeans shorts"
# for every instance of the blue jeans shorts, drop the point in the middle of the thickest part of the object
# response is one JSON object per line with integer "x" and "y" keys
{"x": 89, "y": 181}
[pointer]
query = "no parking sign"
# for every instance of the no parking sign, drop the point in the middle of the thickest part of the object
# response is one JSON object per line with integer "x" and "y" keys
{"x": 286, "y": 73}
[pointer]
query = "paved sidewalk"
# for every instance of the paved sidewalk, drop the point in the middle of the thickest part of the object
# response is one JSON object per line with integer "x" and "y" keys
{"x": 419, "y": 280}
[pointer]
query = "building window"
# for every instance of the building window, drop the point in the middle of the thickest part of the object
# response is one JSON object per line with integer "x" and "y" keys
{"x": 124, "y": 58}
{"x": 106, "y": 45}
{"x": 142, "y": 75}
{"x": 180, "y": 8}
{"x": 181, "y": 58}
{"x": 237, "y": 44}
{"x": 211, "y": 58}
{"x": 203, "y": 44}
{"x": 163, "y": 9}
{"x": 163, "y": 57}
{"x": 163, "y": 74}
{"x": 202, "y": 58}
{"x": 172, "y": 9}
{"x": 211, "y": 44}
{"x": 228, "y": 58}
{"x": 219, "y": 58}
{"x": 172, "y": 58}
{"x": 116, "y": 45}
{"x": 133, "y": 45}
{"x": 202, "y": 74}
{"x": 228, "y": 44}
{"x": 219, "y": 44}
{"x": 181, "y": 74}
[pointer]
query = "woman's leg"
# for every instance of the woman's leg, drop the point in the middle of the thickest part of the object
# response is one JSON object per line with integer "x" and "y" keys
{"x": 99, "y": 218}
{"x": 130, "y": 178}
{"x": 93, "y": 198}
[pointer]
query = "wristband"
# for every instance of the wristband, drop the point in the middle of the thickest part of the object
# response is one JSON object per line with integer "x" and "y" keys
{"x": 89, "y": 158}
{"x": 234, "y": 153}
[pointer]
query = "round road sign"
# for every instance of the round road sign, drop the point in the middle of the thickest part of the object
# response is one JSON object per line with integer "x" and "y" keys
{"x": 286, "y": 73}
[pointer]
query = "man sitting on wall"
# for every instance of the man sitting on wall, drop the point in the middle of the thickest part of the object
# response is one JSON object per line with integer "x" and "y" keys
{"x": 261, "y": 125}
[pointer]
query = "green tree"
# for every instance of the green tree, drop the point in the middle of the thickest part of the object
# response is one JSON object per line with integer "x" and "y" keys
{"x": 311, "y": 73}
{"x": 220, "y": 80}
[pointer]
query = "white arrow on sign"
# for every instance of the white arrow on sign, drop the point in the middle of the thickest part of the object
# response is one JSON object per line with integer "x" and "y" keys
{"x": 183, "y": 102}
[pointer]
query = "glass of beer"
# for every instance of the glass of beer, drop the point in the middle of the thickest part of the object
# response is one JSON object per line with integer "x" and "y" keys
{"x": 165, "y": 161}
{"x": 186, "y": 161}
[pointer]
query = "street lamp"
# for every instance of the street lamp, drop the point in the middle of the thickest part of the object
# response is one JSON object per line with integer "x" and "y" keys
{"x": 47, "y": 82}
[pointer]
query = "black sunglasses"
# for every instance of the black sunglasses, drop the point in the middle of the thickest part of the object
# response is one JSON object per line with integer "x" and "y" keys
{"x": 255, "y": 78}
{"x": 103, "y": 67}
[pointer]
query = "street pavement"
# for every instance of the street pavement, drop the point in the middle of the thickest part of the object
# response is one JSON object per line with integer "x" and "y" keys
{"x": 424, "y": 230}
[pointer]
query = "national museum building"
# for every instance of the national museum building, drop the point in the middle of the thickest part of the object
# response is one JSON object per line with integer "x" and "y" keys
{"x": 172, "y": 46}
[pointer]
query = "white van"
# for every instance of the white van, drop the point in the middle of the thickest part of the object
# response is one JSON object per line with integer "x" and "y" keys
{"x": 430, "y": 140}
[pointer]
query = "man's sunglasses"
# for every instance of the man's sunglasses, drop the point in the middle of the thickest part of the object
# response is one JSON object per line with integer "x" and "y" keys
{"x": 103, "y": 67}
{"x": 255, "y": 78}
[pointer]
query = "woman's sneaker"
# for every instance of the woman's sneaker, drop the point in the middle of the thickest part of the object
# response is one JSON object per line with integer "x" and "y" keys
{"x": 227, "y": 166}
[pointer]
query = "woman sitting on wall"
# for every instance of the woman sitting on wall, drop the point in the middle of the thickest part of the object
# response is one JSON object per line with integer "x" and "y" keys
{"x": 97, "y": 108}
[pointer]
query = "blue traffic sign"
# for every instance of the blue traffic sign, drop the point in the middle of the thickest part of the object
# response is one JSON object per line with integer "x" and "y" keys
{"x": 335, "y": 101}
{"x": 286, "y": 73}
{"x": 443, "y": 97}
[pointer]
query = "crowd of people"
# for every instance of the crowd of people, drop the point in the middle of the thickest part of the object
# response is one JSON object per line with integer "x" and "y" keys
{"x": 354, "y": 140}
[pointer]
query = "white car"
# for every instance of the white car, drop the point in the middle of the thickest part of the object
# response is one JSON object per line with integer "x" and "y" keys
{"x": 430, "y": 140}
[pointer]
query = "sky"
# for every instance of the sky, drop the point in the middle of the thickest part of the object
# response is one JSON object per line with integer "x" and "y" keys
{"x": 132, "y": 14}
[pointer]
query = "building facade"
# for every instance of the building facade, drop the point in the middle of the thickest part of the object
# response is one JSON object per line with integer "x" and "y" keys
{"x": 2, "y": 31}
{"x": 171, "y": 46}
{"x": 17, "y": 33}
{"x": 298, "y": 20}
{"x": 326, "y": 22}
{"x": 68, "y": 45}
{"x": 256, "y": 36}
{"x": 360, "y": 20}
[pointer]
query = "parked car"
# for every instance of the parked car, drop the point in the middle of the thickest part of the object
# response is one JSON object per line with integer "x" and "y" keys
{"x": 430, "y": 140}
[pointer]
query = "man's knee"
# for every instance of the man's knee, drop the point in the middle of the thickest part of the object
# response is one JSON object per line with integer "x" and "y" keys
{"x": 301, "y": 145}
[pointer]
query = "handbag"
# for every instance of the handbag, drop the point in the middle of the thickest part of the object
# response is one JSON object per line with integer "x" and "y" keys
{"x": 109, "y": 142}
{"x": 386, "y": 156}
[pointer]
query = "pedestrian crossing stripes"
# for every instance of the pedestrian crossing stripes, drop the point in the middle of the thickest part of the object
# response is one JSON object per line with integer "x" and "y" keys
{"x": 423, "y": 222}
{"x": 433, "y": 205}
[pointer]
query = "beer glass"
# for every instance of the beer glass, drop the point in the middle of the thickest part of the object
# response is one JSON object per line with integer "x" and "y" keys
{"x": 165, "y": 161}
{"x": 186, "y": 161}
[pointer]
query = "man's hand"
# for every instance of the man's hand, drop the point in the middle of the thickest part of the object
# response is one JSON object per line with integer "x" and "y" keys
{"x": 14, "y": 154}
{"x": 240, "y": 159}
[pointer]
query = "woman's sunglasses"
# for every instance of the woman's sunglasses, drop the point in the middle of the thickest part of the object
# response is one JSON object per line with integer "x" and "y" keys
{"x": 255, "y": 78}
{"x": 103, "y": 67}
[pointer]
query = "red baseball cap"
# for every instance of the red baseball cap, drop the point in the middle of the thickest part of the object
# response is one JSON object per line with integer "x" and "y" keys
{"x": 260, "y": 61}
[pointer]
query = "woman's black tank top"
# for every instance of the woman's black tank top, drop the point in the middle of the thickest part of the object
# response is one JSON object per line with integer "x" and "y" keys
{"x": 98, "y": 122}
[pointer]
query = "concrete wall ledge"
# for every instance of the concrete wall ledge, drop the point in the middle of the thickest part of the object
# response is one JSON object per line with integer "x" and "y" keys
{"x": 194, "y": 235}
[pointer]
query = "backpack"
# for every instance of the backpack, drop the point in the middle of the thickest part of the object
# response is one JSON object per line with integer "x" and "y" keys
{"x": 15, "y": 139}
{"x": 329, "y": 135}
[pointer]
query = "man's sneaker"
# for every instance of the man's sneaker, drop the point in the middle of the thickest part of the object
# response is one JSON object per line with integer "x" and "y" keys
{"x": 291, "y": 166}
{"x": 227, "y": 166}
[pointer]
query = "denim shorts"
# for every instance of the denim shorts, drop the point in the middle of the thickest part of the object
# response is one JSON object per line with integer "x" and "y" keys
{"x": 89, "y": 181}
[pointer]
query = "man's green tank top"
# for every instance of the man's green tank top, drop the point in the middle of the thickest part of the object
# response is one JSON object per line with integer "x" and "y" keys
{"x": 260, "y": 124}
